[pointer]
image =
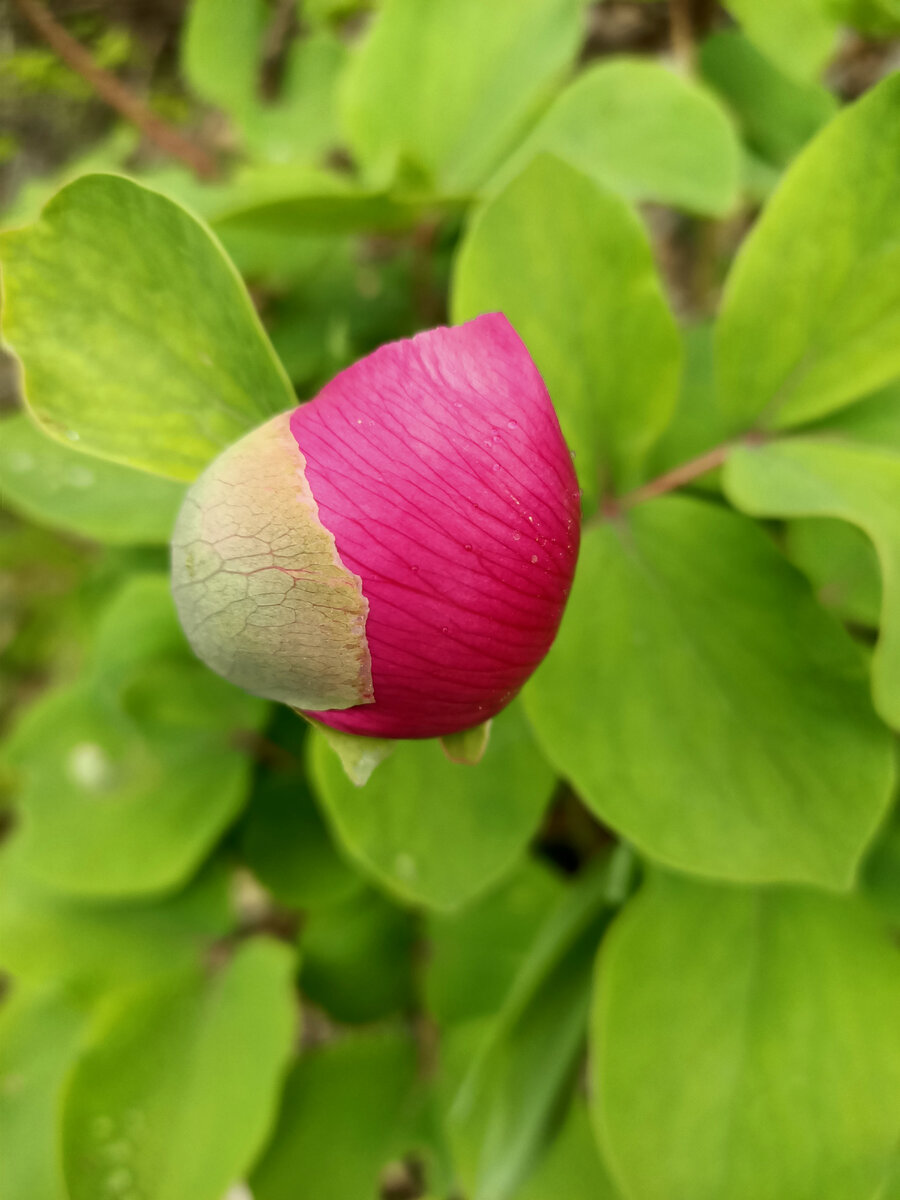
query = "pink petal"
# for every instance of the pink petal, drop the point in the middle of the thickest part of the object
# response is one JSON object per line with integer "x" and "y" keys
{"x": 438, "y": 465}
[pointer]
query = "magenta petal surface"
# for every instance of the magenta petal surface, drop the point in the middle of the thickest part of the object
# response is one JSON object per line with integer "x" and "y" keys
{"x": 438, "y": 466}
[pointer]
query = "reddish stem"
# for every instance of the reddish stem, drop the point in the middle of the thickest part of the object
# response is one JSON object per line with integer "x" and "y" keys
{"x": 115, "y": 93}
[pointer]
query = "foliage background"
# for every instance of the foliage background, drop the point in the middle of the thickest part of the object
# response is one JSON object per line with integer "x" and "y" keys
{"x": 646, "y": 950}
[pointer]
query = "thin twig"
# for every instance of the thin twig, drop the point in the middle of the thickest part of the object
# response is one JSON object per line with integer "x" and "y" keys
{"x": 115, "y": 93}
{"x": 681, "y": 28}
{"x": 687, "y": 472}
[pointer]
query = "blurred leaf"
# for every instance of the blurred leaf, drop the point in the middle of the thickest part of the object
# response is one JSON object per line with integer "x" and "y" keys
{"x": 222, "y": 52}
{"x": 798, "y": 35}
{"x": 881, "y": 870}
{"x": 777, "y": 114}
{"x": 583, "y": 294}
{"x": 841, "y": 564}
{"x": 341, "y": 1119}
{"x": 876, "y": 18}
{"x": 138, "y": 340}
{"x": 178, "y": 1087}
{"x": 287, "y": 846}
{"x": 636, "y": 127}
{"x": 767, "y": 1022}
{"x": 689, "y": 634}
{"x": 811, "y": 314}
{"x": 93, "y": 946}
{"x": 486, "y": 941}
{"x": 847, "y": 468}
{"x": 39, "y": 1036}
{"x": 516, "y": 1085}
{"x": 449, "y": 87}
{"x": 571, "y": 1168}
{"x": 431, "y": 831}
{"x": 126, "y": 778}
{"x": 54, "y": 485}
{"x": 357, "y": 958}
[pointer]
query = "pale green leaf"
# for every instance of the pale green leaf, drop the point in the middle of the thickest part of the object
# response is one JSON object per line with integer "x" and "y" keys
{"x": 841, "y": 564}
{"x": 798, "y": 35}
{"x": 570, "y": 265}
{"x": 811, "y": 314}
{"x": 571, "y": 1168}
{"x": 178, "y": 1087}
{"x": 341, "y": 1120}
{"x": 706, "y": 707}
{"x": 54, "y": 485}
{"x": 39, "y": 1037}
{"x": 449, "y": 86}
{"x": 417, "y": 805}
{"x": 137, "y": 338}
{"x": 746, "y": 1044}
{"x": 643, "y": 131}
{"x": 126, "y": 778}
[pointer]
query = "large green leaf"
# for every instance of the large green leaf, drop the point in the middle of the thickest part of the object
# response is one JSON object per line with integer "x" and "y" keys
{"x": 706, "y": 707}
{"x": 341, "y": 1120}
{"x": 137, "y": 338}
{"x": 56, "y": 486}
{"x": 570, "y": 265}
{"x": 126, "y": 778}
{"x": 811, "y": 314}
{"x": 446, "y": 87}
{"x": 841, "y": 563}
{"x": 433, "y": 831}
{"x": 177, "y": 1089}
{"x": 777, "y": 114}
{"x": 636, "y": 127}
{"x": 746, "y": 1044}
{"x": 799, "y": 35}
{"x": 39, "y": 1036}
{"x": 842, "y": 470}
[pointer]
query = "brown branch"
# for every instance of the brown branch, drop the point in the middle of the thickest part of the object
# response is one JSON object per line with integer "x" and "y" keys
{"x": 115, "y": 93}
{"x": 687, "y": 472}
{"x": 681, "y": 32}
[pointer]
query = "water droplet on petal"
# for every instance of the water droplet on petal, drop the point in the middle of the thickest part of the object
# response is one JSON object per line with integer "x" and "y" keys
{"x": 517, "y": 536}
{"x": 512, "y": 424}
{"x": 444, "y": 629}
{"x": 534, "y": 558}
{"x": 468, "y": 546}
{"x": 495, "y": 467}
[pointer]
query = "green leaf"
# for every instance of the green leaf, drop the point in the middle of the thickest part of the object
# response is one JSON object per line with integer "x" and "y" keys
{"x": 486, "y": 941}
{"x": 639, "y": 129}
{"x": 177, "y": 1090}
{"x": 137, "y": 337}
{"x": 583, "y": 293}
{"x": 341, "y": 1119}
{"x": 449, "y": 87}
{"x": 689, "y": 634}
{"x": 126, "y": 778}
{"x": 841, "y": 564}
{"x": 429, "y": 830}
{"x": 876, "y": 18}
{"x": 56, "y": 486}
{"x": 39, "y": 1037}
{"x": 811, "y": 314}
{"x": 357, "y": 958}
{"x": 223, "y": 44}
{"x": 838, "y": 471}
{"x": 798, "y": 35}
{"x": 93, "y": 945}
{"x": 881, "y": 871}
{"x": 777, "y": 114}
{"x": 287, "y": 846}
{"x": 507, "y": 1105}
{"x": 467, "y": 747}
{"x": 571, "y": 1167}
{"x": 745, "y": 1044}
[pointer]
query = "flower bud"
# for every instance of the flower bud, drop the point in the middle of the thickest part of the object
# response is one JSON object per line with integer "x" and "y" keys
{"x": 394, "y": 556}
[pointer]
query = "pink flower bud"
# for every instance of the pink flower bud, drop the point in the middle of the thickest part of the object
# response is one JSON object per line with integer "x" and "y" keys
{"x": 393, "y": 557}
